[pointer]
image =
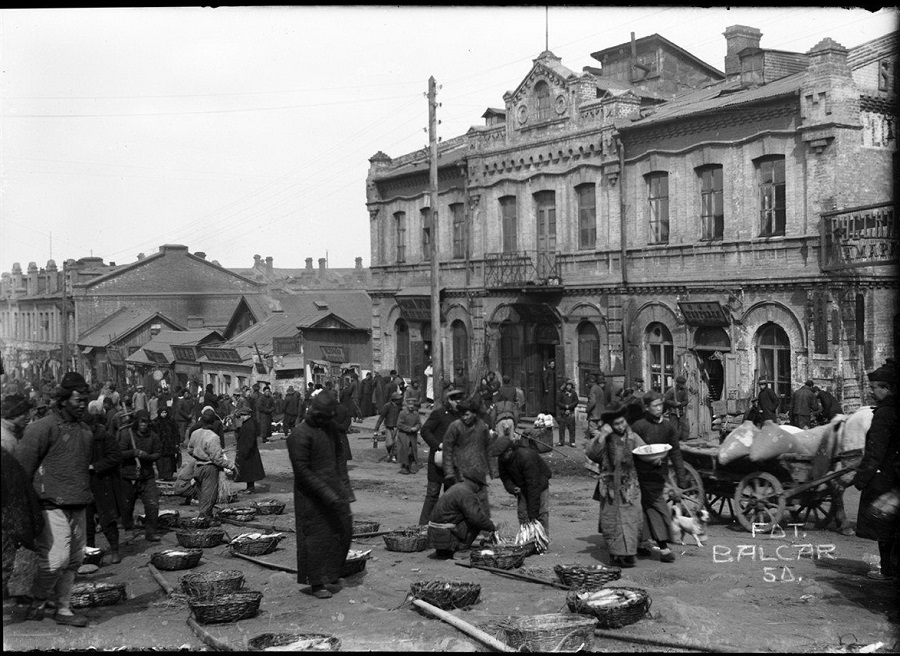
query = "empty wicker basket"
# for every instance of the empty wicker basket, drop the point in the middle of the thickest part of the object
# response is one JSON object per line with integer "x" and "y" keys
{"x": 210, "y": 584}
{"x": 255, "y": 546}
{"x": 581, "y": 576}
{"x": 294, "y": 642}
{"x": 446, "y": 595}
{"x": 407, "y": 540}
{"x": 498, "y": 556}
{"x": 88, "y": 595}
{"x": 268, "y": 507}
{"x": 200, "y": 537}
{"x": 548, "y": 633}
{"x": 175, "y": 559}
{"x": 229, "y": 607}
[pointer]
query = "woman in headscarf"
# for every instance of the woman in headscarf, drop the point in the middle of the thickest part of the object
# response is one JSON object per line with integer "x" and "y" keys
{"x": 247, "y": 461}
{"x": 321, "y": 499}
{"x": 878, "y": 476}
{"x": 171, "y": 439}
{"x": 618, "y": 490}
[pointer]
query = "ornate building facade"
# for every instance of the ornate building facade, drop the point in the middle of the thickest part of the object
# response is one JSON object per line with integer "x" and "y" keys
{"x": 656, "y": 217}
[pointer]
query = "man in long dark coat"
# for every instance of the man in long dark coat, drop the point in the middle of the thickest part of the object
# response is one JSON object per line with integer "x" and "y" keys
{"x": 323, "y": 519}
{"x": 432, "y": 432}
{"x": 265, "y": 408}
{"x": 549, "y": 388}
{"x": 768, "y": 402}
{"x": 291, "y": 409}
{"x": 106, "y": 485}
{"x": 366, "y": 387}
{"x": 247, "y": 461}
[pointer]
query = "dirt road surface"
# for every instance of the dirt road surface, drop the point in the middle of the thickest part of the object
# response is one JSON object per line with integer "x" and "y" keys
{"x": 802, "y": 592}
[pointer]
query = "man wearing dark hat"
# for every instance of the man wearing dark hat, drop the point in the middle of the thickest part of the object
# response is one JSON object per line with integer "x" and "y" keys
{"x": 291, "y": 409}
{"x": 389, "y": 415}
{"x": 566, "y": 402}
{"x": 804, "y": 405}
{"x": 323, "y": 519}
{"x": 141, "y": 448}
{"x": 16, "y": 415}
{"x": 526, "y": 476}
{"x": 433, "y": 431}
{"x": 56, "y": 454}
{"x": 767, "y": 401}
{"x": 247, "y": 461}
{"x": 675, "y": 403}
{"x": 878, "y": 476}
{"x": 459, "y": 516}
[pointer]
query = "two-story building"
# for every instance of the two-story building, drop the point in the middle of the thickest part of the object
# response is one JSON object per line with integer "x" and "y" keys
{"x": 656, "y": 217}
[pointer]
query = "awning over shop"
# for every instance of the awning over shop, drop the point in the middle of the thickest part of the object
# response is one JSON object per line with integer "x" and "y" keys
{"x": 415, "y": 303}
{"x": 704, "y": 313}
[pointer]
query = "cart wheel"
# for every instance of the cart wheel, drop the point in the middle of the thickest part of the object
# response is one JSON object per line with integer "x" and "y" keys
{"x": 717, "y": 504}
{"x": 759, "y": 499}
{"x": 815, "y": 506}
{"x": 693, "y": 494}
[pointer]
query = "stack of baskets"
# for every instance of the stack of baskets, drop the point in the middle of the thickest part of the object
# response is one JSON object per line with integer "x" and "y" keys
{"x": 174, "y": 559}
{"x": 255, "y": 544}
{"x": 268, "y": 507}
{"x": 202, "y": 538}
{"x": 360, "y": 527}
{"x": 590, "y": 576}
{"x": 88, "y": 595}
{"x": 553, "y": 632}
{"x": 216, "y": 596}
{"x": 194, "y": 522}
{"x": 239, "y": 514}
{"x": 500, "y": 556}
{"x": 447, "y": 595}
{"x": 294, "y": 642}
{"x": 354, "y": 563}
{"x": 413, "y": 538}
{"x": 613, "y": 608}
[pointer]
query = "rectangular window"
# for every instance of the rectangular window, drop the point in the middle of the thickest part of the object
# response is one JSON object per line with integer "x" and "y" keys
{"x": 712, "y": 212}
{"x": 426, "y": 234}
{"x": 400, "y": 233}
{"x": 459, "y": 231}
{"x": 508, "y": 223}
{"x": 772, "y": 199}
{"x": 658, "y": 197}
{"x": 587, "y": 215}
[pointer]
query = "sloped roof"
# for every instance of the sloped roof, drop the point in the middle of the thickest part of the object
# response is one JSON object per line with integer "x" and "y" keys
{"x": 646, "y": 40}
{"x": 493, "y": 111}
{"x": 353, "y": 306}
{"x": 447, "y": 157}
{"x": 275, "y": 325}
{"x": 163, "y": 342}
{"x": 714, "y": 98}
{"x": 872, "y": 50}
{"x": 120, "y": 324}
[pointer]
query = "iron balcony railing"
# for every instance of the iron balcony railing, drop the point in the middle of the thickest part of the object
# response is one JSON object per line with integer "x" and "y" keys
{"x": 521, "y": 268}
{"x": 859, "y": 237}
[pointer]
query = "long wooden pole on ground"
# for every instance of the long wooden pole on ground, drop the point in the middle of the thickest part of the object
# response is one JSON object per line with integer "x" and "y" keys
{"x": 207, "y": 637}
{"x": 463, "y": 626}
{"x": 662, "y": 642}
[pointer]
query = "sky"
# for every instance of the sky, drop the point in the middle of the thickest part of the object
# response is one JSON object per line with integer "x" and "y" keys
{"x": 247, "y": 130}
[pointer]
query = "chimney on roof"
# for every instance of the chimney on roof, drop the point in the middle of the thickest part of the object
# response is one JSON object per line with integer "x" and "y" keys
{"x": 358, "y": 263}
{"x": 201, "y": 255}
{"x": 31, "y": 282}
{"x": 256, "y": 260}
{"x": 112, "y": 264}
{"x": 269, "y": 261}
{"x": 53, "y": 275}
{"x": 140, "y": 256}
{"x": 169, "y": 248}
{"x": 738, "y": 37}
{"x": 322, "y": 264}
{"x": 309, "y": 266}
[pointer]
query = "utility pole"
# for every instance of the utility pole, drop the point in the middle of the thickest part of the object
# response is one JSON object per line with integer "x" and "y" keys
{"x": 64, "y": 351}
{"x": 437, "y": 368}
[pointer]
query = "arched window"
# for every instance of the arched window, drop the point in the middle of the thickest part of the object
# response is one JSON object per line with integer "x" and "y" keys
{"x": 588, "y": 354}
{"x": 402, "y": 362}
{"x": 774, "y": 357}
{"x": 460, "y": 347}
{"x": 660, "y": 357}
{"x": 542, "y": 96}
{"x": 510, "y": 351}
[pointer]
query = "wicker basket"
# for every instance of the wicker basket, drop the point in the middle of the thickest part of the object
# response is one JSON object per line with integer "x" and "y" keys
{"x": 229, "y": 607}
{"x": 579, "y": 576}
{"x": 169, "y": 519}
{"x": 194, "y": 522}
{"x": 209, "y": 584}
{"x": 255, "y": 547}
{"x": 530, "y": 548}
{"x": 360, "y": 527}
{"x": 297, "y": 642}
{"x": 200, "y": 537}
{"x": 88, "y": 595}
{"x": 447, "y": 595}
{"x": 174, "y": 559}
{"x": 611, "y": 617}
{"x": 93, "y": 556}
{"x": 239, "y": 514}
{"x": 547, "y": 633}
{"x": 268, "y": 507}
{"x": 498, "y": 556}
{"x": 407, "y": 540}
{"x": 355, "y": 563}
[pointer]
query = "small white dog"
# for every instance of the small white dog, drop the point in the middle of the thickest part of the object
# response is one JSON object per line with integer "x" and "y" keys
{"x": 686, "y": 525}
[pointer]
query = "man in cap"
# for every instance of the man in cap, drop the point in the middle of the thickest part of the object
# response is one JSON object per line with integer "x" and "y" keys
{"x": 139, "y": 400}
{"x": 829, "y": 407}
{"x": 15, "y": 417}
{"x": 408, "y": 424}
{"x": 389, "y": 416}
{"x": 265, "y": 408}
{"x": 55, "y": 453}
{"x": 567, "y": 401}
{"x": 767, "y": 401}
{"x": 433, "y": 431}
{"x": 323, "y": 519}
{"x": 141, "y": 448}
{"x": 804, "y": 405}
{"x": 526, "y": 476}
{"x": 459, "y": 515}
{"x": 675, "y": 403}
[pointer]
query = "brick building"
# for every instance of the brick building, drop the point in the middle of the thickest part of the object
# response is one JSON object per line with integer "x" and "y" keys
{"x": 655, "y": 217}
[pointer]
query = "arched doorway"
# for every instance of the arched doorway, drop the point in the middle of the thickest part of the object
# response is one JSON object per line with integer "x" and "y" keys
{"x": 402, "y": 348}
{"x": 711, "y": 344}
{"x": 460, "y": 348}
{"x": 540, "y": 350}
{"x": 773, "y": 352}
{"x": 588, "y": 354}
{"x": 510, "y": 352}
{"x": 660, "y": 354}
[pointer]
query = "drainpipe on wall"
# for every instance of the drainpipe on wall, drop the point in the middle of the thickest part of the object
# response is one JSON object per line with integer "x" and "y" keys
{"x": 622, "y": 231}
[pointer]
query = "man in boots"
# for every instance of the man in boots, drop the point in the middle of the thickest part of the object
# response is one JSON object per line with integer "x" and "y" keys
{"x": 389, "y": 416}
{"x": 140, "y": 447}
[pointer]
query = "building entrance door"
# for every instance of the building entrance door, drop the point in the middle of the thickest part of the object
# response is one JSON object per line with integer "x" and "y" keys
{"x": 713, "y": 346}
{"x": 545, "y": 208}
